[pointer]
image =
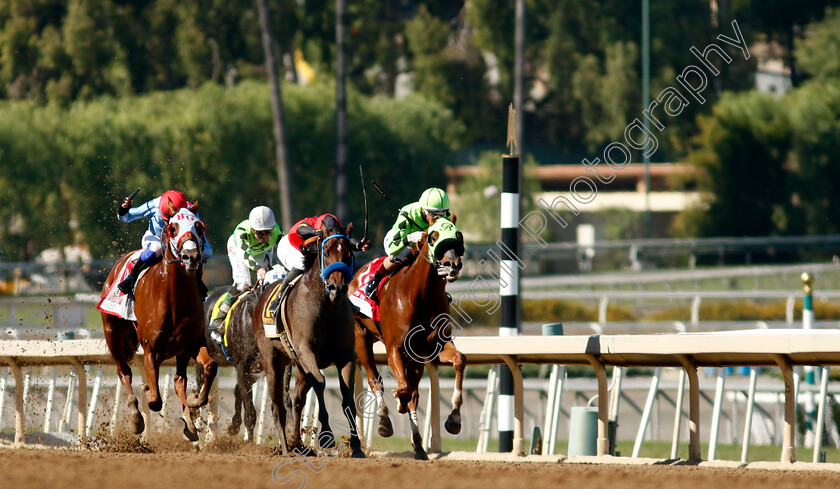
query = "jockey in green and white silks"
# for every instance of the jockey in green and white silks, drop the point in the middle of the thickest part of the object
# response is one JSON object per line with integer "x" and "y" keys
{"x": 412, "y": 220}
{"x": 250, "y": 248}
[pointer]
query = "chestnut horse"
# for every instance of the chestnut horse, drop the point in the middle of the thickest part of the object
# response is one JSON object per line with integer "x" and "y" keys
{"x": 415, "y": 327}
{"x": 320, "y": 320}
{"x": 170, "y": 322}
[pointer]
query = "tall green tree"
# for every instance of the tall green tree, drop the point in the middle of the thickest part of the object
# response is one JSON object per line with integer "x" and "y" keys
{"x": 741, "y": 154}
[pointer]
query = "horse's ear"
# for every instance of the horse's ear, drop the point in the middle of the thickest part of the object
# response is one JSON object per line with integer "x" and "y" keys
{"x": 349, "y": 230}
{"x": 459, "y": 236}
{"x": 432, "y": 238}
{"x": 453, "y": 218}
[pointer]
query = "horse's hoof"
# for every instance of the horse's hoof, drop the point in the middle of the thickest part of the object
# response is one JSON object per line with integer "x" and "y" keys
{"x": 326, "y": 439}
{"x": 194, "y": 401}
{"x": 136, "y": 422}
{"x": 189, "y": 435}
{"x": 233, "y": 429}
{"x": 386, "y": 429}
{"x": 358, "y": 453}
{"x": 453, "y": 422}
{"x": 156, "y": 405}
{"x": 420, "y": 454}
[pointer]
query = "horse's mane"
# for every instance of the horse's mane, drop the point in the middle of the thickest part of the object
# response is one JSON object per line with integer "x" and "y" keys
{"x": 308, "y": 259}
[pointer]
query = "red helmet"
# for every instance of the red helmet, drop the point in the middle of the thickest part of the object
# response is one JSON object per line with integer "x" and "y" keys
{"x": 174, "y": 198}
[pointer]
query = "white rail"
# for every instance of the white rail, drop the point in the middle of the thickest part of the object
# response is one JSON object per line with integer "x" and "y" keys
{"x": 784, "y": 349}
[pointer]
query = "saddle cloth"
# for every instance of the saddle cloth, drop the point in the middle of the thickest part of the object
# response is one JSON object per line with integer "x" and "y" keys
{"x": 367, "y": 306}
{"x": 269, "y": 320}
{"x": 115, "y": 302}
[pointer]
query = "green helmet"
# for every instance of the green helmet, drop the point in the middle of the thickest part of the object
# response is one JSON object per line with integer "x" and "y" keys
{"x": 434, "y": 199}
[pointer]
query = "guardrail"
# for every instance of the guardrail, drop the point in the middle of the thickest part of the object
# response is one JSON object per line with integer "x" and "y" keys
{"x": 784, "y": 349}
{"x": 636, "y": 252}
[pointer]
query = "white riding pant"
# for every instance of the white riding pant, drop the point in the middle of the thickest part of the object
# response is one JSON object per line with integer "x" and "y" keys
{"x": 151, "y": 242}
{"x": 239, "y": 266}
{"x": 289, "y": 256}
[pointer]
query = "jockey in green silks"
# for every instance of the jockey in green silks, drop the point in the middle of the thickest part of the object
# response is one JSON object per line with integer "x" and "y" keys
{"x": 408, "y": 229}
{"x": 250, "y": 248}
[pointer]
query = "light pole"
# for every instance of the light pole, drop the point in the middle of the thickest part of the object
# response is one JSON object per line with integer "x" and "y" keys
{"x": 646, "y": 103}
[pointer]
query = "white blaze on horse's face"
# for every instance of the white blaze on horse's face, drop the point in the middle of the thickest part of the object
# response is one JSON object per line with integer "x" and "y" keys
{"x": 185, "y": 232}
{"x": 451, "y": 263}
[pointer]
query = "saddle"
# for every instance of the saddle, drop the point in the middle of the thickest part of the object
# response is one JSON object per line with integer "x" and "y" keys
{"x": 270, "y": 318}
{"x": 366, "y": 306}
{"x": 115, "y": 302}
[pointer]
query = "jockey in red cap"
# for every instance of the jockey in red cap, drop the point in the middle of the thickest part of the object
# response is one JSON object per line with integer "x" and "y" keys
{"x": 159, "y": 211}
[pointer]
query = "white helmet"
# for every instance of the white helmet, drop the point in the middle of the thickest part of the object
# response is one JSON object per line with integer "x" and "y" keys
{"x": 261, "y": 218}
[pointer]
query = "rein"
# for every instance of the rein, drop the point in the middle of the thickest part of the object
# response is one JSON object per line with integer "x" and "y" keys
{"x": 174, "y": 250}
{"x": 339, "y": 266}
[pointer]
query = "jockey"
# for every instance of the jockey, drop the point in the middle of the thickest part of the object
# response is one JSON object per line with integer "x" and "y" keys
{"x": 249, "y": 248}
{"x": 413, "y": 219}
{"x": 292, "y": 246}
{"x": 159, "y": 211}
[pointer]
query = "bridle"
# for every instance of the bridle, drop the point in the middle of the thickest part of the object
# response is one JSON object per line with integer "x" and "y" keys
{"x": 194, "y": 237}
{"x": 441, "y": 269}
{"x": 339, "y": 266}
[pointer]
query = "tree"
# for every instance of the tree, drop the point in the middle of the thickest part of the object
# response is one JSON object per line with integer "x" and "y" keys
{"x": 818, "y": 51}
{"x": 780, "y": 21}
{"x": 740, "y": 156}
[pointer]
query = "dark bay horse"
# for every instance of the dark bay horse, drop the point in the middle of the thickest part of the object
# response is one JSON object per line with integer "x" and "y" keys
{"x": 241, "y": 352}
{"x": 415, "y": 327}
{"x": 320, "y": 320}
{"x": 170, "y": 322}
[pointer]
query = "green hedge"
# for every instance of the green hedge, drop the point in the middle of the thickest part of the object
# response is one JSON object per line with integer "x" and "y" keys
{"x": 744, "y": 310}
{"x": 65, "y": 170}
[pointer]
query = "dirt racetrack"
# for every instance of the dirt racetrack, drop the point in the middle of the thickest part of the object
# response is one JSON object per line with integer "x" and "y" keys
{"x": 251, "y": 468}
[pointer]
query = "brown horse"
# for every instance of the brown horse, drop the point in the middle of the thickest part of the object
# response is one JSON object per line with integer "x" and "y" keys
{"x": 170, "y": 322}
{"x": 415, "y": 327}
{"x": 320, "y": 320}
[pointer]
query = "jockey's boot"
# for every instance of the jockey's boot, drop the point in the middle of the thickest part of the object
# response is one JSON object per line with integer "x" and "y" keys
{"x": 370, "y": 288}
{"x": 216, "y": 325}
{"x": 127, "y": 285}
{"x": 275, "y": 304}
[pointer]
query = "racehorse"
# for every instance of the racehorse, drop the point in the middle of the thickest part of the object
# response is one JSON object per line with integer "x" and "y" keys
{"x": 415, "y": 326}
{"x": 170, "y": 322}
{"x": 320, "y": 333}
{"x": 241, "y": 352}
